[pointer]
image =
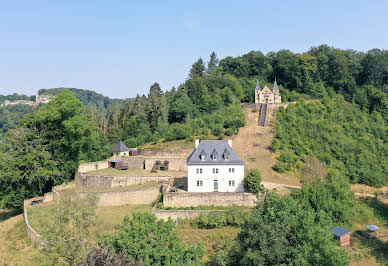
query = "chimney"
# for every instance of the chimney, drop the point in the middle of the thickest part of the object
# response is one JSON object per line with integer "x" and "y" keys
{"x": 230, "y": 142}
{"x": 196, "y": 143}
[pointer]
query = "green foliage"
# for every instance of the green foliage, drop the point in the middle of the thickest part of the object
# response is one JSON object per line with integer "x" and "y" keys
{"x": 45, "y": 150}
{"x": 252, "y": 182}
{"x": 339, "y": 134}
{"x": 283, "y": 232}
{"x": 85, "y": 96}
{"x": 332, "y": 197}
{"x": 218, "y": 219}
{"x": 144, "y": 239}
{"x": 67, "y": 234}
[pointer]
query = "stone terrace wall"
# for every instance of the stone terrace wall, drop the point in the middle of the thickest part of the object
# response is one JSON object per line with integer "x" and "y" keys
{"x": 87, "y": 167}
{"x": 178, "y": 214}
{"x": 134, "y": 197}
{"x": 145, "y": 162}
{"x": 174, "y": 164}
{"x": 103, "y": 181}
{"x": 195, "y": 199}
{"x": 32, "y": 234}
{"x": 165, "y": 153}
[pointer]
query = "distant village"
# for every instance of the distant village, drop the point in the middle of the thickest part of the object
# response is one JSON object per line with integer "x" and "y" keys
{"x": 39, "y": 99}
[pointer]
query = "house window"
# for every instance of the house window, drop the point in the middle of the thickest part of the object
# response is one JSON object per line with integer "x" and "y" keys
{"x": 199, "y": 170}
{"x": 215, "y": 170}
{"x": 231, "y": 170}
{"x": 231, "y": 183}
{"x": 199, "y": 183}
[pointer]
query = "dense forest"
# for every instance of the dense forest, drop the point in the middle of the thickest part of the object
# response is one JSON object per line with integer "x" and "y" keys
{"x": 70, "y": 129}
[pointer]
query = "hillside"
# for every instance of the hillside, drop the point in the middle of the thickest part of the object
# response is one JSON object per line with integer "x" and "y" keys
{"x": 86, "y": 96}
{"x": 253, "y": 144}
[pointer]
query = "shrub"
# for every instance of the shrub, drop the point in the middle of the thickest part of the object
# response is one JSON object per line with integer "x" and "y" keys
{"x": 252, "y": 181}
{"x": 229, "y": 131}
{"x": 218, "y": 219}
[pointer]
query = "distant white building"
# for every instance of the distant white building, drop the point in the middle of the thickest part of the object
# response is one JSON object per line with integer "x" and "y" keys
{"x": 214, "y": 166}
{"x": 266, "y": 95}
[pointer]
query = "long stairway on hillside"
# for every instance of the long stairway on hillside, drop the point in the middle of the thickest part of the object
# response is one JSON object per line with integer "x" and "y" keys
{"x": 263, "y": 114}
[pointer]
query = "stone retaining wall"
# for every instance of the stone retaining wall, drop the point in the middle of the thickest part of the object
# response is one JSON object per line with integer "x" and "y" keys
{"x": 195, "y": 199}
{"x": 92, "y": 166}
{"x": 135, "y": 197}
{"x": 165, "y": 153}
{"x": 178, "y": 214}
{"x": 105, "y": 181}
{"x": 32, "y": 234}
{"x": 176, "y": 163}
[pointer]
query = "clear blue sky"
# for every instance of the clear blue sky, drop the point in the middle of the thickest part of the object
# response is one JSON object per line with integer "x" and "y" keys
{"x": 119, "y": 48}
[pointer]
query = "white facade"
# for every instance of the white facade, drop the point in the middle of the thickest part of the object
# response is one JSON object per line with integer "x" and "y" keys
{"x": 121, "y": 153}
{"x": 209, "y": 178}
{"x": 214, "y": 166}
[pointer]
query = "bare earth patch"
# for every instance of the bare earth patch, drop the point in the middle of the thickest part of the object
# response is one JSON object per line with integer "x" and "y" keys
{"x": 253, "y": 143}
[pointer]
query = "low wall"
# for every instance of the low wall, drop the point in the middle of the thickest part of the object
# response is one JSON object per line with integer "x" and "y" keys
{"x": 195, "y": 199}
{"x": 92, "y": 166}
{"x": 165, "y": 153}
{"x": 32, "y": 234}
{"x": 176, "y": 163}
{"x": 104, "y": 181}
{"x": 134, "y": 197}
{"x": 178, "y": 214}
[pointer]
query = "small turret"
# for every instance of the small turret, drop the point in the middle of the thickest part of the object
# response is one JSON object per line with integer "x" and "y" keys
{"x": 258, "y": 86}
{"x": 275, "y": 88}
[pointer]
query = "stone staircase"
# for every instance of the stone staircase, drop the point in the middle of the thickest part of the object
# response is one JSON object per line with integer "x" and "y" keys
{"x": 263, "y": 114}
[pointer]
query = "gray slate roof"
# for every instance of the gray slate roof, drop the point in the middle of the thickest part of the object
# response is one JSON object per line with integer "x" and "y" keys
{"x": 258, "y": 86}
{"x": 275, "y": 85}
{"x": 120, "y": 147}
{"x": 207, "y": 147}
{"x": 340, "y": 231}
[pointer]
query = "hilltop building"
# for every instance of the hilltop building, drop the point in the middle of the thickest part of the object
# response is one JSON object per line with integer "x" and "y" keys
{"x": 120, "y": 149}
{"x": 214, "y": 166}
{"x": 266, "y": 95}
{"x": 42, "y": 99}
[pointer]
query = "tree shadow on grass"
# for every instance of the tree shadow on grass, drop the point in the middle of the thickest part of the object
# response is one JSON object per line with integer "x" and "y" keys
{"x": 379, "y": 207}
{"x": 5, "y": 214}
{"x": 379, "y": 249}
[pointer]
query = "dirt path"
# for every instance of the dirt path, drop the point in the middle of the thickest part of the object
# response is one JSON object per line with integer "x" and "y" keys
{"x": 252, "y": 144}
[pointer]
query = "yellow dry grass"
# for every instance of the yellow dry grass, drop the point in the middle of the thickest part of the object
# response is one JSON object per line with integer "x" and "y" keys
{"x": 16, "y": 248}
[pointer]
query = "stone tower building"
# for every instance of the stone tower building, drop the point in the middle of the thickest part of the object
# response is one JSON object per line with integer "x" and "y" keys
{"x": 266, "y": 95}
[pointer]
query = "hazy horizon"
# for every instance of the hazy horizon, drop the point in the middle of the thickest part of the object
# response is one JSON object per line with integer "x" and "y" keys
{"x": 119, "y": 49}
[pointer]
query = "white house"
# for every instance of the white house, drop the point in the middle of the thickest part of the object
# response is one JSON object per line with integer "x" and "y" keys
{"x": 120, "y": 149}
{"x": 214, "y": 166}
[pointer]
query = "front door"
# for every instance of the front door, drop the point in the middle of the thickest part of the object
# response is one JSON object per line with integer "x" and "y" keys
{"x": 215, "y": 185}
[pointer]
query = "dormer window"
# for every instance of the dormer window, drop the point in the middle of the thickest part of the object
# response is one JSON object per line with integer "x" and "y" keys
{"x": 214, "y": 155}
{"x": 202, "y": 156}
{"x": 226, "y": 155}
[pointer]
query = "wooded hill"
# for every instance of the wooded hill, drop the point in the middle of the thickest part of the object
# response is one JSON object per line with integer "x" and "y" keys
{"x": 48, "y": 144}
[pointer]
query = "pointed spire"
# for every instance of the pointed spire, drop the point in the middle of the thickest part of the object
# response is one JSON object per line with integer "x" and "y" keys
{"x": 258, "y": 86}
{"x": 275, "y": 85}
